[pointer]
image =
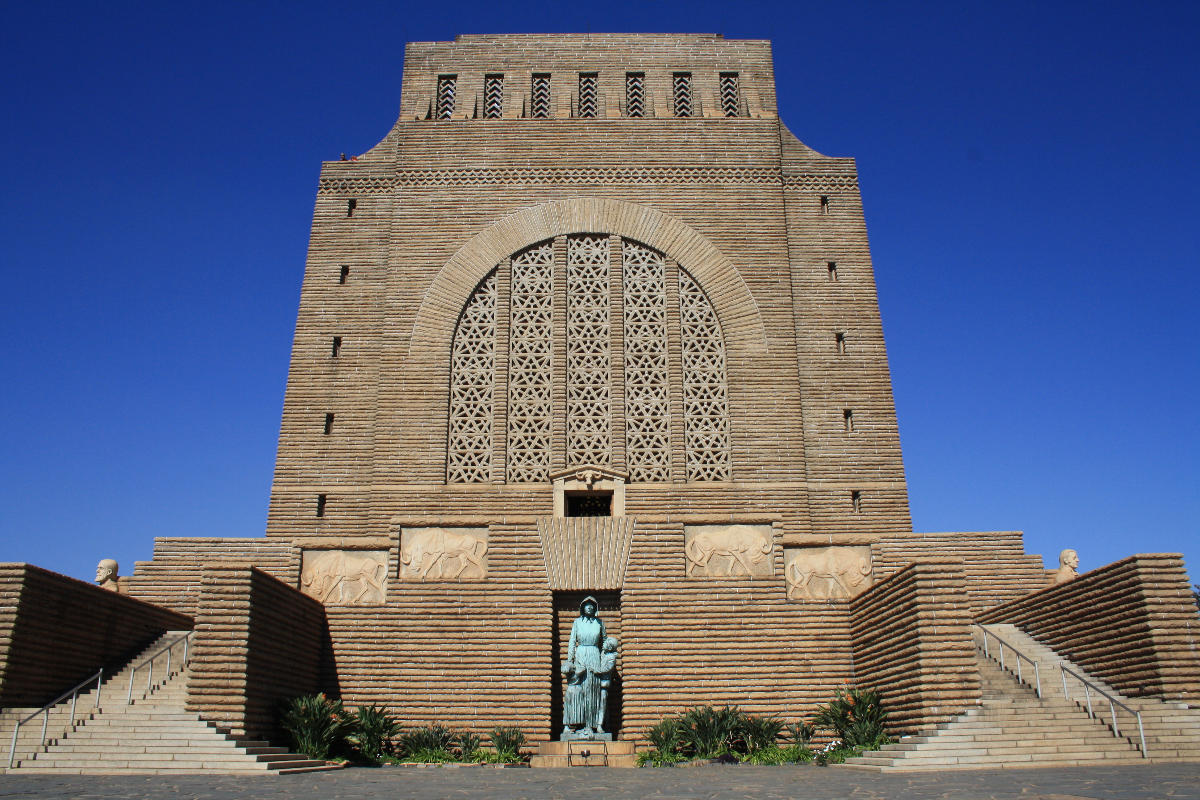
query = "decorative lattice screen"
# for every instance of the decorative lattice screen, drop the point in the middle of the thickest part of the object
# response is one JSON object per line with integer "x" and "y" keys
{"x": 648, "y": 371}
{"x": 445, "y": 96}
{"x": 493, "y": 96}
{"x": 681, "y": 93}
{"x": 647, "y": 399}
{"x": 587, "y": 94}
{"x": 539, "y": 96}
{"x": 635, "y": 94}
{"x": 589, "y": 352}
{"x": 472, "y": 388}
{"x": 705, "y": 402}
{"x": 530, "y": 363}
{"x": 730, "y": 99}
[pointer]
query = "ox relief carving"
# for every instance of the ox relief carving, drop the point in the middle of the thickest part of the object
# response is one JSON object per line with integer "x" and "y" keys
{"x": 728, "y": 551}
{"x": 443, "y": 554}
{"x": 344, "y": 577}
{"x": 827, "y": 573}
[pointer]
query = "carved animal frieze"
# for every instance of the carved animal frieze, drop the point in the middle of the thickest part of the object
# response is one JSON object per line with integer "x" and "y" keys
{"x": 827, "y": 573}
{"x": 728, "y": 551}
{"x": 442, "y": 554}
{"x": 344, "y": 577}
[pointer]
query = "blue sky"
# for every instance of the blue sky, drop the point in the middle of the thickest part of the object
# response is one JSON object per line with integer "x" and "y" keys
{"x": 1029, "y": 172}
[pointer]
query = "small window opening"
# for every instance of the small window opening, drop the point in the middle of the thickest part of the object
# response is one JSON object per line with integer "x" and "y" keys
{"x": 824, "y": 204}
{"x": 635, "y": 94}
{"x": 343, "y": 274}
{"x": 839, "y": 340}
{"x": 589, "y": 504}
{"x": 847, "y": 420}
{"x": 856, "y": 501}
{"x": 351, "y": 204}
{"x": 730, "y": 94}
{"x": 328, "y": 424}
{"x": 681, "y": 90}
{"x": 587, "y": 94}
{"x": 337, "y": 347}
{"x": 493, "y": 96}
{"x": 539, "y": 96}
{"x": 320, "y": 505}
{"x": 832, "y": 267}
{"x": 445, "y": 96}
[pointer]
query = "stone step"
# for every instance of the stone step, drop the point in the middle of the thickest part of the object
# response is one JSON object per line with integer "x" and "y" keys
{"x": 595, "y": 760}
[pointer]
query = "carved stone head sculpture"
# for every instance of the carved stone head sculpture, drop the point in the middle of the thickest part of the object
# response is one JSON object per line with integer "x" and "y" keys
{"x": 106, "y": 574}
{"x": 1068, "y": 564}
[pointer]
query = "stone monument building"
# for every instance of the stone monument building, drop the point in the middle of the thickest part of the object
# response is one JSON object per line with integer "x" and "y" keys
{"x": 590, "y": 320}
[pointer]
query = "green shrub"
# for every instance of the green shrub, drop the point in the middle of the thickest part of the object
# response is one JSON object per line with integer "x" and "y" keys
{"x": 371, "y": 733}
{"x": 792, "y": 754}
{"x": 801, "y": 733}
{"x": 856, "y": 716}
{"x": 315, "y": 724}
{"x": 468, "y": 746}
{"x": 429, "y": 744}
{"x": 709, "y": 732}
{"x": 758, "y": 733}
{"x": 508, "y": 742}
{"x": 665, "y": 737}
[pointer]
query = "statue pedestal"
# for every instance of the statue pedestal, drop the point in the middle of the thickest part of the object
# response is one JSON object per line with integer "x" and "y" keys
{"x": 585, "y": 753}
{"x": 574, "y": 736}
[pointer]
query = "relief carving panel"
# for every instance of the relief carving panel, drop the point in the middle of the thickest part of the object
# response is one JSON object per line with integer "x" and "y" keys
{"x": 442, "y": 554}
{"x": 827, "y": 573}
{"x": 728, "y": 551}
{"x": 344, "y": 577}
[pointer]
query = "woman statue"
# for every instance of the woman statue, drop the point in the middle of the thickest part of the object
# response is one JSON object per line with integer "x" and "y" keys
{"x": 581, "y": 699}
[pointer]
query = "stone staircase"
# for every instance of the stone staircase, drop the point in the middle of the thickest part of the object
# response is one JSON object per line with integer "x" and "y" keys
{"x": 1014, "y": 728}
{"x": 584, "y": 754}
{"x": 152, "y": 735}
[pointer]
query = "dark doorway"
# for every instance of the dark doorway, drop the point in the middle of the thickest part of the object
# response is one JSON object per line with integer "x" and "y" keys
{"x": 589, "y": 504}
{"x": 566, "y": 609}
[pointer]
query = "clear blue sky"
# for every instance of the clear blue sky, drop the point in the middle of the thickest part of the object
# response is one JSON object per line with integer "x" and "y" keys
{"x": 1030, "y": 178}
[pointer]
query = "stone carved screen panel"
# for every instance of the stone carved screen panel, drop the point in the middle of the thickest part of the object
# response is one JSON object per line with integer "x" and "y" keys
{"x": 580, "y": 269}
{"x": 344, "y": 577}
{"x": 589, "y": 352}
{"x": 530, "y": 368}
{"x": 443, "y": 554}
{"x": 705, "y": 392}
{"x": 647, "y": 393}
{"x": 472, "y": 386}
{"x": 838, "y": 572}
{"x": 729, "y": 551}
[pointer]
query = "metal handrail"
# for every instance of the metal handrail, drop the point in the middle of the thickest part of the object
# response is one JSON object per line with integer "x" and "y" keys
{"x": 1037, "y": 675}
{"x": 73, "y": 692}
{"x": 1088, "y": 688}
{"x": 149, "y": 663}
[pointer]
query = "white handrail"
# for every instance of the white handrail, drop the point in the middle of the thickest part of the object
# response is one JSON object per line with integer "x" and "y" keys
{"x": 149, "y": 664}
{"x": 74, "y": 694}
{"x": 1088, "y": 688}
{"x": 1037, "y": 674}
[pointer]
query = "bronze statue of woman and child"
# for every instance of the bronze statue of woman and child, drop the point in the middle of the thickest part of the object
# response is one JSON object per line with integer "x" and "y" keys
{"x": 591, "y": 659}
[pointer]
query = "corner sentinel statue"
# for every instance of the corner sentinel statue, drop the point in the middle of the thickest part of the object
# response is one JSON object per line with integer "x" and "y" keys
{"x": 591, "y": 659}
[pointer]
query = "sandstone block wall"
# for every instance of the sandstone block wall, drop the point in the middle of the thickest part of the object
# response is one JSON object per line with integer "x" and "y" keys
{"x": 258, "y": 641}
{"x": 912, "y": 641}
{"x": 55, "y": 631}
{"x": 1133, "y": 624}
{"x": 174, "y": 577}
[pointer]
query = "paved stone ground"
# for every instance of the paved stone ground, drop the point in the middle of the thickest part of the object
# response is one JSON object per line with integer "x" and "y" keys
{"x": 761, "y": 783}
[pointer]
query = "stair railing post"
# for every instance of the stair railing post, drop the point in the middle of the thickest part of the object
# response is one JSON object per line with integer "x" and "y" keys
{"x": 169, "y": 660}
{"x": 1037, "y": 674}
{"x": 74, "y": 697}
{"x": 129, "y": 696}
{"x": 1141, "y": 732}
{"x": 1020, "y": 678}
{"x": 1112, "y": 709}
{"x": 1002, "y": 654}
{"x": 99, "y": 680}
{"x": 186, "y": 641}
{"x": 1088, "y": 694}
{"x": 12, "y": 748}
{"x": 45, "y": 722}
{"x": 1066, "y": 694}
{"x": 149, "y": 676}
